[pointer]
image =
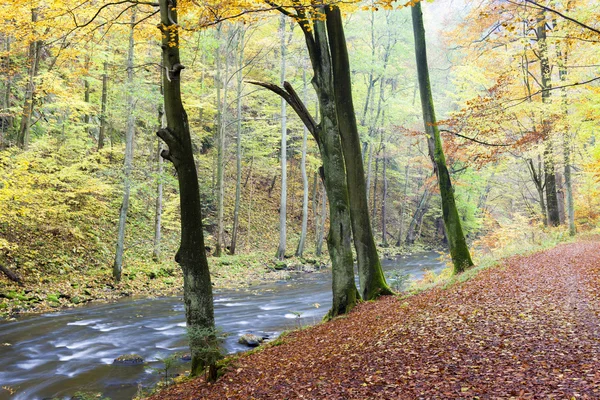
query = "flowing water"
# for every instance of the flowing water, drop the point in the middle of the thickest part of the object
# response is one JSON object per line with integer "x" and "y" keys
{"x": 57, "y": 354}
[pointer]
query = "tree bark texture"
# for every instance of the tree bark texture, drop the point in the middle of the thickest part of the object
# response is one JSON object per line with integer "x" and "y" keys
{"x": 371, "y": 279}
{"x": 191, "y": 256}
{"x": 461, "y": 258}
{"x": 159, "y": 186}
{"x": 546, "y": 80}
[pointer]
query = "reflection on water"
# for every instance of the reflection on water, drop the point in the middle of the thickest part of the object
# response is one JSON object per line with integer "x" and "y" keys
{"x": 58, "y": 354}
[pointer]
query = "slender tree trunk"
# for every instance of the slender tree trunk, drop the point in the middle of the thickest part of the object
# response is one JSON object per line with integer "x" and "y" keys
{"x": 371, "y": 279}
{"x": 300, "y": 250}
{"x": 459, "y": 251}
{"x": 283, "y": 203}
{"x": 550, "y": 185}
{"x": 238, "y": 148}
{"x": 415, "y": 223}
{"x": 249, "y": 228}
{"x": 103, "y": 120}
{"x": 35, "y": 50}
{"x": 567, "y": 146}
{"x": 569, "y": 185}
{"x": 128, "y": 163}
{"x": 86, "y": 93}
{"x": 369, "y": 171}
{"x": 6, "y": 119}
{"x": 221, "y": 153}
{"x": 404, "y": 199}
{"x": 159, "y": 186}
{"x": 375, "y": 184}
{"x": 549, "y": 170}
{"x": 197, "y": 288}
{"x": 538, "y": 181}
{"x": 383, "y": 200}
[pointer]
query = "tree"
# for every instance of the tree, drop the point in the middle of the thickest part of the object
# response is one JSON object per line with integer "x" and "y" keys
{"x": 333, "y": 172}
{"x": 238, "y": 148}
{"x": 283, "y": 203}
{"x": 300, "y": 249}
{"x": 197, "y": 288}
{"x": 371, "y": 278}
{"x": 128, "y": 162}
{"x": 461, "y": 258}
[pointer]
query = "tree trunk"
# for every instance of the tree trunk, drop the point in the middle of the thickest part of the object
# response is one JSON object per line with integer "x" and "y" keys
{"x": 35, "y": 50}
{"x": 371, "y": 279}
{"x": 6, "y": 119}
{"x": 550, "y": 185}
{"x": 369, "y": 171}
{"x": 283, "y": 202}
{"x": 404, "y": 199}
{"x": 103, "y": 121}
{"x": 332, "y": 172}
{"x": 197, "y": 288}
{"x": 569, "y": 185}
{"x": 546, "y": 83}
{"x": 567, "y": 145}
{"x": 339, "y": 242}
{"x": 411, "y": 234}
{"x": 537, "y": 178}
{"x": 321, "y": 233}
{"x": 86, "y": 93}
{"x": 159, "y": 187}
{"x": 238, "y": 147}
{"x": 383, "y": 199}
{"x": 128, "y": 162}
{"x": 300, "y": 250}
{"x": 221, "y": 114}
{"x": 249, "y": 228}
{"x": 461, "y": 258}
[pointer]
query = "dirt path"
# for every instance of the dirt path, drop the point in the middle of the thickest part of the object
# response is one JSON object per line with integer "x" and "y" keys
{"x": 527, "y": 329}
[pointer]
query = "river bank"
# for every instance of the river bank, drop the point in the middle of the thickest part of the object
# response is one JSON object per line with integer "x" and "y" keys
{"x": 60, "y": 353}
{"x": 64, "y": 290}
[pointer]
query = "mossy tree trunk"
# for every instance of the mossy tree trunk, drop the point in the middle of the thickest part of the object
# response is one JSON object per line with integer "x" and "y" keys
{"x": 333, "y": 171}
{"x": 370, "y": 274}
{"x": 191, "y": 256}
{"x": 461, "y": 258}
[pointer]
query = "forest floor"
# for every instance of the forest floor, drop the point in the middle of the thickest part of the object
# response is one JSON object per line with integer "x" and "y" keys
{"x": 527, "y": 328}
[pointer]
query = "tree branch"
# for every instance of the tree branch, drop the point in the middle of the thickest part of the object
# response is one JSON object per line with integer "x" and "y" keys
{"x": 291, "y": 97}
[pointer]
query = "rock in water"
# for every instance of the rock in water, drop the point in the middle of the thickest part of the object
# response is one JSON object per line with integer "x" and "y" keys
{"x": 250, "y": 340}
{"x": 129, "y": 359}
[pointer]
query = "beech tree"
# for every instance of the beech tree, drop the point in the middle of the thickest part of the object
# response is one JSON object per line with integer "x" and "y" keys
{"x": 461, "y": 258}
{"x": 197, "y": 288}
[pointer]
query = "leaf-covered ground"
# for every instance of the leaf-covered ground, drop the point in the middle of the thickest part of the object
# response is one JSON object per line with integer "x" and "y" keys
{"x": 529, "y": 328}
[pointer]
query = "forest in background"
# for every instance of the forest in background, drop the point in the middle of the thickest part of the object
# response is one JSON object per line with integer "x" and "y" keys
{"x": 71, "y": 97}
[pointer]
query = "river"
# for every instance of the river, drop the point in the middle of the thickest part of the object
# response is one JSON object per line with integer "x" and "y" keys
{"x": 56, "y": 354}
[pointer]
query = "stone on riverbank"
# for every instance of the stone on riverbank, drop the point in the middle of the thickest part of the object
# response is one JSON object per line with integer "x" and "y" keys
{"x": 129, "y": 359}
